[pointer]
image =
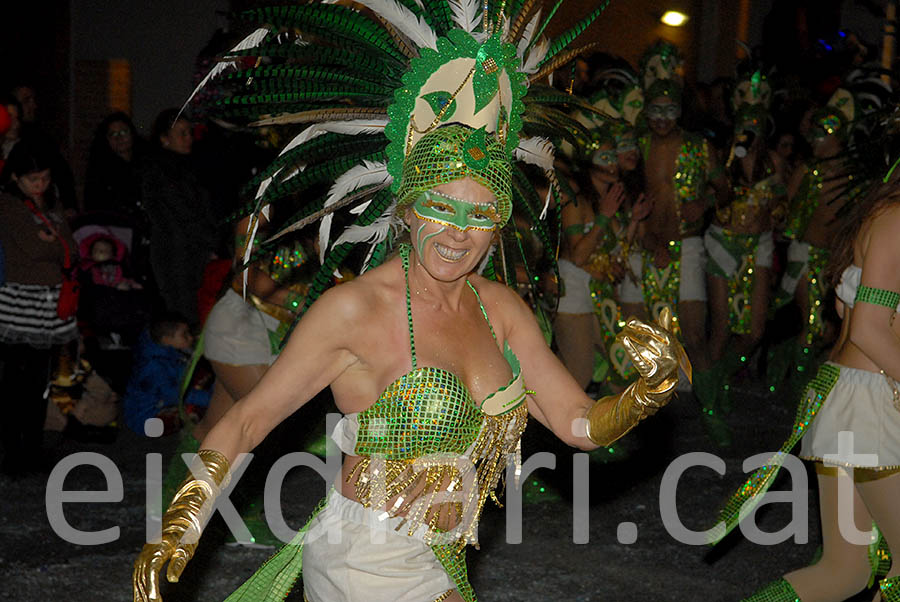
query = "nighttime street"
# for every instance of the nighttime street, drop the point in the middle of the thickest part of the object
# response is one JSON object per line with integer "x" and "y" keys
{"x": 515, "y": 300}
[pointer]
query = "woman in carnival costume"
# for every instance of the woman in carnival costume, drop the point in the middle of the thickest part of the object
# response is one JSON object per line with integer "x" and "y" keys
{"x": 445, "y": 353}
{"x": 585, "y": 222}
{"x": 616, "y": 261}
{"x": 854, "y": 393}
{"x": 739, "y": 242}
{"x": 833, "y": 178}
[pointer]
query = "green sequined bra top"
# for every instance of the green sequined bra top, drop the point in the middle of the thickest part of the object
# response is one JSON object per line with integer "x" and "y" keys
{"x": 430, "y": 453}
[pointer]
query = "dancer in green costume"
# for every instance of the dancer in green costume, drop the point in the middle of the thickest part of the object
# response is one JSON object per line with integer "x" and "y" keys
{"x": 856, "y": 393}
{"x": 434, "y": 366}
{"x": 680, "y": 170}
{"x": 739, "y": 241}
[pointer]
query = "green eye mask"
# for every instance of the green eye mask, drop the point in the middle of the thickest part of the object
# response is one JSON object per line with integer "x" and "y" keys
{"x": 455, "y": 213}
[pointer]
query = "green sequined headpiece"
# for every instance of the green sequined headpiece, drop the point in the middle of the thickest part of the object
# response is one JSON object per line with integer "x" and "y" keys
{"x": 349, "y": 91}
{"x": 662, "y": 61}
{"x": 452, "y": 153}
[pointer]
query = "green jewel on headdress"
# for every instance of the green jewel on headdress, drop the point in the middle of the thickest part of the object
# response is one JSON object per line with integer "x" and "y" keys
{"x": 454, "y": 152}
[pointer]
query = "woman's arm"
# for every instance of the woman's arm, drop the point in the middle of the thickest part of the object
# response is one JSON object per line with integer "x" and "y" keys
{"x": 869, "y": 323}
{"x": 582, "y": 244}
{"x": 557, "y": 402}
{"x": 560, "y": 404}
{"x": 316, "y": 354}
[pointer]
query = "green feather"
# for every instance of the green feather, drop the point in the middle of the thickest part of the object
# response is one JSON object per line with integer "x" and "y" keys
{"x": 336, "y": 256}
{"x": 317, "y": 174}
{"x": 576, "y": 30}
{"x": 544, "y": 24}
{"x": 329, "y": 21}
{"x": 317, "y": 150}
{"x": 286, "y": 78}
{"x": 439, "y": 16}
{"x": 319, "y": 54}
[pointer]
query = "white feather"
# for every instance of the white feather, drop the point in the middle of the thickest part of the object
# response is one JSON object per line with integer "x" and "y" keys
{"x": 528, "y": 34}
{"x": 352, "y": 179}
{"x": 536, "y": 55}
{"x": 264, "y": 185}
{"x": 252, "y": 228}
{"x": 353, "y": 127}
{"x": 466, "y": 14}
{"x": 251, "y": 41}
{"x": 547, "y": 202}
{"x": 404, "y": 21}
{"x": 373, "y": 234}
{"x": 536, "y": 150}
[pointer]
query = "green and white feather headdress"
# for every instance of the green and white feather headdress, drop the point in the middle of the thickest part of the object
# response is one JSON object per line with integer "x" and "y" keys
{"x": 358, "y": 85}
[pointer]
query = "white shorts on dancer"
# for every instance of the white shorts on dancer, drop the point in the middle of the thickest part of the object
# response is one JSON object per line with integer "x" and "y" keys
{"x": 237, "y": 333}
{"x": 692, "y": 283}
{"x": 860, "y": 402}
{"x": 576, "y": 286}
{"x": 371, "y": 562}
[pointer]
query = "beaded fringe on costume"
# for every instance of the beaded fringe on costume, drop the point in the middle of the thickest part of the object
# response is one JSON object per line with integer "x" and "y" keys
{"x": 421, "y": 488}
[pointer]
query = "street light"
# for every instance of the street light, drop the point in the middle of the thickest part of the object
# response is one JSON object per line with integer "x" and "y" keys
{"x": 674, "y": 18}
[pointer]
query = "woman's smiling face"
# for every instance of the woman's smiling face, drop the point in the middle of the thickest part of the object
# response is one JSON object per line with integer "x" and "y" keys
{"x": 451, "y": 227}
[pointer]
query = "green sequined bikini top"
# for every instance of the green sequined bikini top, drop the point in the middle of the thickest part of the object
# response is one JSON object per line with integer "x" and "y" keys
{"x": 428, "y": 409}
{"x": 425, "y": 437}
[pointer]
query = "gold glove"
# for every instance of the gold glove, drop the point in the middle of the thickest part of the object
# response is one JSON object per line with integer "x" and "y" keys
{"x": 181, "y": 526}
{"x": 656, "y": 354}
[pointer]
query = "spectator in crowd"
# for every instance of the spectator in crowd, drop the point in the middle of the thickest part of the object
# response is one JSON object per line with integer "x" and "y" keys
{"x": 160, "y": 359}
{"x": 182, "y": 231}
{"x": 37, "y": 245}
{"x": 61, "y": 174}
{"x": 111, "y": 183}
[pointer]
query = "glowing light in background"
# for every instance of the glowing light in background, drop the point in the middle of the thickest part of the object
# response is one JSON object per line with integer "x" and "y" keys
{"x": 674, "y": 18}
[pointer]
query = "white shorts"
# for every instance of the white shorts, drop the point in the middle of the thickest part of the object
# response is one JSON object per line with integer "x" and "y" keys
{"x": 692, "y": 286}
{"x": 765, "y": 250}
{"x": 629, "y": 290}
{"x": 371, "y": 561}
{"x": 237, "y": 333}
{"x": 860, "y": 402}
{"x": 797, "y": 263}
{"x": 730, "y": 263}
{"x": 576, "y": 286}
{"x": 692, "y": 279}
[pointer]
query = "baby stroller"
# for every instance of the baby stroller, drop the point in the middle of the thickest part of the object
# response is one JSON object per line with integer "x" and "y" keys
{"x": 115, "y": 302}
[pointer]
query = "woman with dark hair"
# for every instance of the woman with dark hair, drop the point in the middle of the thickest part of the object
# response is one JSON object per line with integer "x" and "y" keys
{"x": 178, "y": 208}
{"x": 856, "y": 392}
{"x": 112, "y": 181}
{"x": 38, "y": 246}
